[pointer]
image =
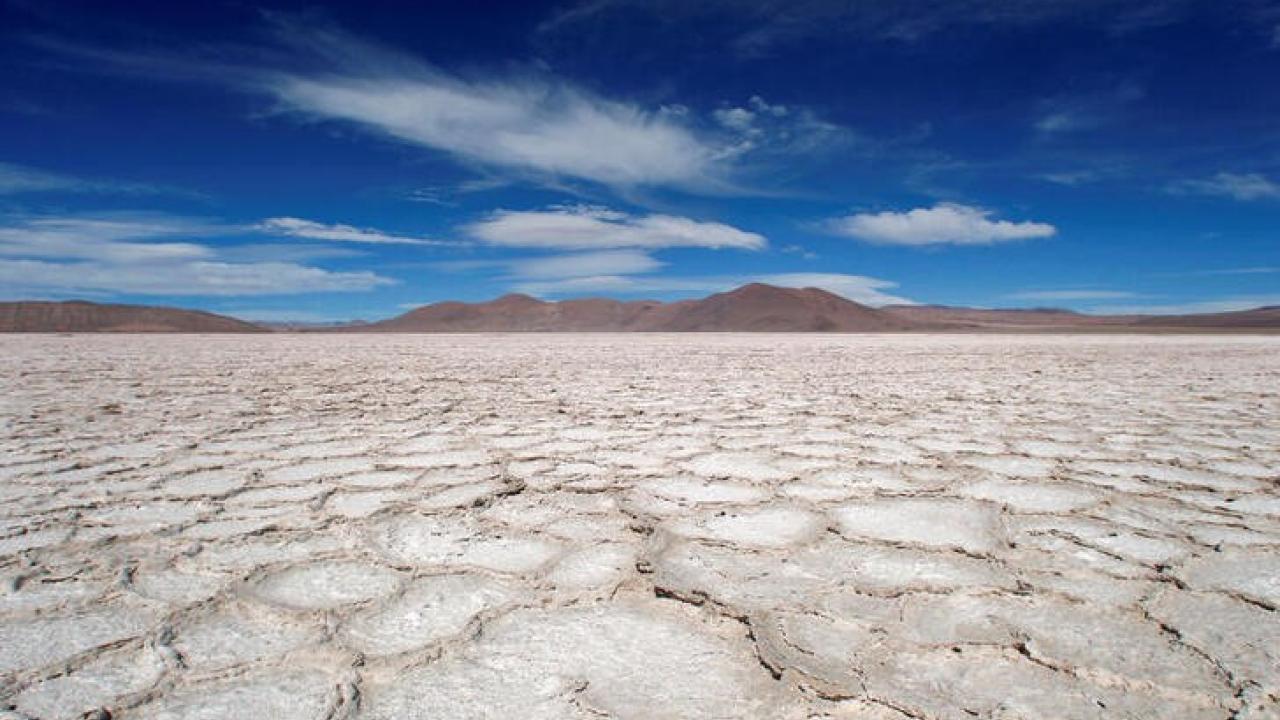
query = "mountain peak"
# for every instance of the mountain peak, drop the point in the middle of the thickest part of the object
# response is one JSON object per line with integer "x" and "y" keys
{"x": 752, "y": 307}
{"x": 517, "y": 299}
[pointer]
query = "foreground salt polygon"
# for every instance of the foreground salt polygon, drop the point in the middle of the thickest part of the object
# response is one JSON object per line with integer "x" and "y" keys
{"x": 721, "y": 526}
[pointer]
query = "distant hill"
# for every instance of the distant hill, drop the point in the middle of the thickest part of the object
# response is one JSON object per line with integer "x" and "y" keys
{"x": 521, "y": 313}
{"x": 1263, "y": 317}
{"x": 750, "y": 308}
{"x": 958, "y": 318}
{"x": 80, "y": 316}
{"x": 764, "y": 308}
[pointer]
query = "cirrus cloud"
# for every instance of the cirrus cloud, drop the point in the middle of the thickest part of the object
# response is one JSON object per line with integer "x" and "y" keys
{"x": 149, "y": 254}
{"x": 21, "y": 179}
{"x": 595, "y": 228}
{"x": 312, "y": 230}
{"x": 608, "y": 262}
{"x": 532, "y": 125}
{"x": 942, "y": 224}
{"x": 203, "y": 278}
{"x": 523, "y": 124}
{"x": 1237, "y": 186}
{"x": 1072, "y": 295}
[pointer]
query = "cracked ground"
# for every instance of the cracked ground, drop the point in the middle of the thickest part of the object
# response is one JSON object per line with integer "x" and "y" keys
{"x": 722, "y": 526}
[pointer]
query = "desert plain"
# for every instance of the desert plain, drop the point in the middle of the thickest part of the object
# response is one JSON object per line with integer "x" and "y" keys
{"x": 639, "y": 526}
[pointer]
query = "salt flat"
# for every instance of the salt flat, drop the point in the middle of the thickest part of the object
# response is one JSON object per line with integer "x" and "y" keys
{"x": 639, "y": 526}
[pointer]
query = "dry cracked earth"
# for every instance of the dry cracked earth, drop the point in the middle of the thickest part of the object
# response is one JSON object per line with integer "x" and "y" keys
{"x": 726, "y": 526}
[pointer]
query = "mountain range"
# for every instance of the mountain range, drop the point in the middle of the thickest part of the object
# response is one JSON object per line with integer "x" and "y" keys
{"x": 750, "y": 308}
{"x": 81, "y": 316}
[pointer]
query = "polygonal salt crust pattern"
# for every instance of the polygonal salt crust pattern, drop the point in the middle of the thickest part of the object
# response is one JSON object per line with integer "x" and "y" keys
{"x": 325, "y": 585}
{"x": 591, "y": 526}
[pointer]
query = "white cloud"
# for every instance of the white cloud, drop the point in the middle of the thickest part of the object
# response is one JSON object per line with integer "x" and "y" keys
{"x": 739, "y": 119}
{"x": 609, "y": 262}
{"x": 111, "y": 239}
{"x": 135, "y": 254}
{"x": 588, "y": 228}
{"x": 1244, "y": 187}
{"x": 801, "y": 251}
{"x": 287, "y": 252}
{"x": 758, "y": 104}
{"x": 859, "y": 288}
{"x": 777, "y": 130}
{"x": 533, "y": 123}
{"x": 298, "y": 227}
{"x": 536, "y": 123}
{"x": 182, "y": 278}
{"x": 1072, "y": 295}
{"x": 614, "y": 284}
{"x": 946, "y": 223}
{"x": 510, "y": 125}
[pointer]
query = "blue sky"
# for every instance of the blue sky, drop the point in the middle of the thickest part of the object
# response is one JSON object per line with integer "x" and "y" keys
{"x": 329, "y": 162}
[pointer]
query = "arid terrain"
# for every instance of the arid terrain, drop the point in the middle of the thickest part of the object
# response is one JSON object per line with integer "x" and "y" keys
{"x": 397, "y": 527}
{"x": 751, "y": 308}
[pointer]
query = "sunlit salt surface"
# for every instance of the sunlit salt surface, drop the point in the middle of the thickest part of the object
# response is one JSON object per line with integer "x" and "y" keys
{"x": 695, "y": 526}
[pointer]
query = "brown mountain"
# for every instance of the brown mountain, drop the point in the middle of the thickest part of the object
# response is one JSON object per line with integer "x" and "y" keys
{"x": 520, "y": 313}
{"x": 943, "y": 317}
{"x": 1258, "y": 318}
{"x": 750, "y": 308}
{"x": 80, "y": 316}
{"x": 765, "y": 308}
{"x": 938, "y": 317}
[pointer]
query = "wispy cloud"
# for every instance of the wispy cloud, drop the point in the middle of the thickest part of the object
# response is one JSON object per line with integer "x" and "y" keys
{"x": 527, "y": 124}
{"x": 23, "y": 179}
{"x": 148, "y": 255}
{"x": 293, "y": 252}
{"x": 1238, "y": 186}
{"x": 1071, "y": 178}
{"x": 859, "y": 288}
{"x": 943, "y": 224}
{"x": 1255, "y": 270}
{"x": 1071, "y": 295}
{"x": 775, "y": 129}
{"x": 1226, "y": 304}
{"x": 609, "y": 262}
{"x": 1064, "y": 121}
{"x": 595, "y": 228}
{"x": 1073, "y": 113}
{"x": 298, "y": 227}
{"x": 191, "y": 278}
{"x": 114, "y": 238}
{"x": 758, "y": 28}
